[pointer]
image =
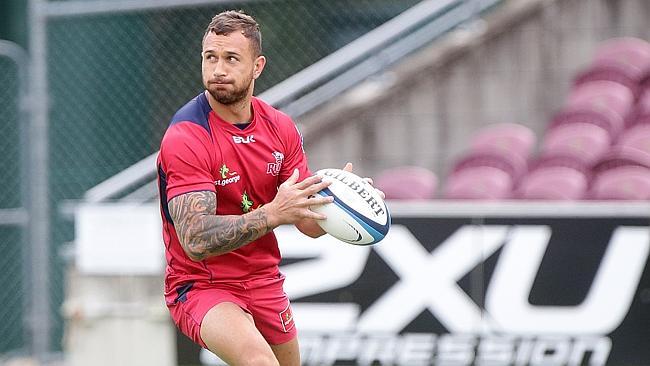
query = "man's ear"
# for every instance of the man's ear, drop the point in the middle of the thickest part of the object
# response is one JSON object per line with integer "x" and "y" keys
{"x": 260, "y": 62}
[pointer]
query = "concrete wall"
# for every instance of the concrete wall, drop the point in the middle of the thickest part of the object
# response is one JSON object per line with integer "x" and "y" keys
{"x": 515, "y": 65}
{"x": 117, "y": 320}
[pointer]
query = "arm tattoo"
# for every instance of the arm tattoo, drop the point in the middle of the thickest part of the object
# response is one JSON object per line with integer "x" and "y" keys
{"x": 203, "y": 234}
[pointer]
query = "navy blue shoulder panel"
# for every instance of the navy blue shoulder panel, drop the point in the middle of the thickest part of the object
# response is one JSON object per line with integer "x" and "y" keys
{"x": 195, "y": 111}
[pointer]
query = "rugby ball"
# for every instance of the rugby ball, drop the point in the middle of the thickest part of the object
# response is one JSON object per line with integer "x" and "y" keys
{"x": 358, "y": 214}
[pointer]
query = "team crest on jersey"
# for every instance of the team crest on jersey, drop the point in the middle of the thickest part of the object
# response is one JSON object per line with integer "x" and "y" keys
{"x": 274, "y": 168}
{"x": 227, "y": 176}
{"x": 246, "y": 203}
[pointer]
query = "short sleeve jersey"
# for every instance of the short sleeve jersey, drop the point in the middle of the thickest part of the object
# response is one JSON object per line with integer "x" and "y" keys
{"x": 244, "y": 167}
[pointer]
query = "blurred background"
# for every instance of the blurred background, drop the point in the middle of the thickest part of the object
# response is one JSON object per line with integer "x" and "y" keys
{"x": 479, "y": 115}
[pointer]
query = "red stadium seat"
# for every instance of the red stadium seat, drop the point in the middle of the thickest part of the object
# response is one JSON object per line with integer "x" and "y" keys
{"x": 620, "y": 156}
{"x": 479, "y": 183}
{"x": 624, "y": 60}
{"x": 508, "y": 137}
{"x": 623, "y": 47}
{"x": 485, "y": 173}
{"x": 407, "y": 182}
{"x": 553, "y": 183}
{"x": 622, "y": 71}
{"x": 641, "y": 113}
{"x": 512, "y": 164}
{"x": 622, "y": 183}
{"x": 594, "y": 113}
{"x": 560, "y": 159}
{"x": 602, "y": 92}
{"x": 586, "y": 141}
{"x": 637, "y": 137}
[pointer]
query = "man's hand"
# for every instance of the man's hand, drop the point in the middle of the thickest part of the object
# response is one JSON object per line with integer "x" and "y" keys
{"x": 348, "y": 168}
{"x": 291, "y": 203}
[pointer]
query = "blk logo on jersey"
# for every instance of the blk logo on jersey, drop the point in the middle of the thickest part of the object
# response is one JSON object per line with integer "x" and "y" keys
{"x": 274, "y": 168}
{"x": 244, "y": 140}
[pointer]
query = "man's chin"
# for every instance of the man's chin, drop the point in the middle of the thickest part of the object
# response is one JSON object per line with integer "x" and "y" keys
{"x": 229, "y": 100}
{"x": 224, "y": 98}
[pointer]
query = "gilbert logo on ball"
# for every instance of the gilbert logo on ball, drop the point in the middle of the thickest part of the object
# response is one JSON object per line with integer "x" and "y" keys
{"x": 358, "y": 214}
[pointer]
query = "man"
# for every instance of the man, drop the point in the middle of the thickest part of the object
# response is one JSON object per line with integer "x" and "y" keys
{"x": 231, "y": 169}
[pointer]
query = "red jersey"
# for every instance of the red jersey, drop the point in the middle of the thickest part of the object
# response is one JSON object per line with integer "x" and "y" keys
{"x": 244, "y": 167}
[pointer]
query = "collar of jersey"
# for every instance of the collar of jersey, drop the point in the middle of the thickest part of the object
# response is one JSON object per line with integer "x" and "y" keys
{"x": 232, "y": 128}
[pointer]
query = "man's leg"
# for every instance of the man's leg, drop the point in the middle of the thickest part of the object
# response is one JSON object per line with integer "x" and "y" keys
{"x": 287, "y": 353}
{"x": 230, "y": 333}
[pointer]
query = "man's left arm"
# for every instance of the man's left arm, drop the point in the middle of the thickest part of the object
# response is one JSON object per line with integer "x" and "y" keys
{"x": 310, "y": 228}
{"x": 296, "y": 158}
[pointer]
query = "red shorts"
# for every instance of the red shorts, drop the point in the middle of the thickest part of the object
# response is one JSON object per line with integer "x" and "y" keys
{"x": 263, "y": 298}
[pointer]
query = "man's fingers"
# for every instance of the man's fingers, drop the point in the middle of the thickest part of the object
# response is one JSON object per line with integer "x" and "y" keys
{"x": 309, "y": 181}
{"x": 292, "y": 179}
{"x": 315, "y": 215}
{"x": 348, "y": 167}
{"x": 315, "y": 188}
{"x": 318, "y": 200}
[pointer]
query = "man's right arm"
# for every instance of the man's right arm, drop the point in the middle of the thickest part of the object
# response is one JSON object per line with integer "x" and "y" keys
{"x": 203, "y": 234}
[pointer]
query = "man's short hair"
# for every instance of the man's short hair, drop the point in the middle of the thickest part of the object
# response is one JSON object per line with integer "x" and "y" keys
{"x": 230, "y": 21}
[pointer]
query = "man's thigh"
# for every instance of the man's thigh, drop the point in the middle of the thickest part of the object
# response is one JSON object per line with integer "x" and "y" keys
{"x": 271, "y": 310}
{"x": 288, "y": 354}
{"x": 229, "y": 332}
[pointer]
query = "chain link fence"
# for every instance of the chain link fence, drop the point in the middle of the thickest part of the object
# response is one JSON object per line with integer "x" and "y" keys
{"x": 116, "y": 80}
{"x": 12, "y": 281}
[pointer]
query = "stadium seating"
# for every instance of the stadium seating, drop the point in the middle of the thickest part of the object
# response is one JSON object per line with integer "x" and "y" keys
{"x": 495, "y": 160}
{"x": 641, "y": 112}
{"x": 619, "y": 71}
{"x": 553, "y": 183}
{"x": 479, "y": 183}
{"x": 637, "y": 137}
{"x": 623, "y": 47}
{"x": 556, "y": 175}
{"x": 596, "y": 146}
{"x": 407, "y": 182}
{"x": 585, "y": 141}
{"x": 591, "y": 112}
{"x": 512, "y": 164}
{"x": 620, "y": 156}
{"x": 602, "y": 92}
{"x": 485, "y": 173}
{"x": 560, "y": 159}
{"x": 627, "y": 182}
{"x": 622, "y": 60}
{"x": 508, "y": 137}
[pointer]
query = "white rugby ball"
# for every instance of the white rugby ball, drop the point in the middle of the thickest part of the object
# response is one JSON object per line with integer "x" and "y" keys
{"x": 358, "y": 214}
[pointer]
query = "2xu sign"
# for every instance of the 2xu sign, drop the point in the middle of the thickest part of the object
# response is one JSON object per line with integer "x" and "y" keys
{"x": 446, "y": 292}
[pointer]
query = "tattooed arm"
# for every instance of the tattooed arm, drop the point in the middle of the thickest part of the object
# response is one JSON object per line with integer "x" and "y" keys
{"x": 204, "y": 234}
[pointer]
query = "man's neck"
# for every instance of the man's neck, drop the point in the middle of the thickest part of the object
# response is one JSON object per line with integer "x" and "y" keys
{"x": 239, "y": 112}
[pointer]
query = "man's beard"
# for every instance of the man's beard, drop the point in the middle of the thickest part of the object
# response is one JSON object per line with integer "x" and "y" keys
{"x": 229, "y": 98}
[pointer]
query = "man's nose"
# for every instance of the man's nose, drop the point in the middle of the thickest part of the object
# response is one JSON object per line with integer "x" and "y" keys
{"x": 219, "y": 69}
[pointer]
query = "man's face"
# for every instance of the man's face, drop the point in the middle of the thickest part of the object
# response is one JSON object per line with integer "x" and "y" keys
{"x": 229, "y": 67}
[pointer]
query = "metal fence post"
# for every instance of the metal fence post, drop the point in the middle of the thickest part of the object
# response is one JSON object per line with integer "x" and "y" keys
{"x": 19, "y": 216}
{"x": 39, "y": 204}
